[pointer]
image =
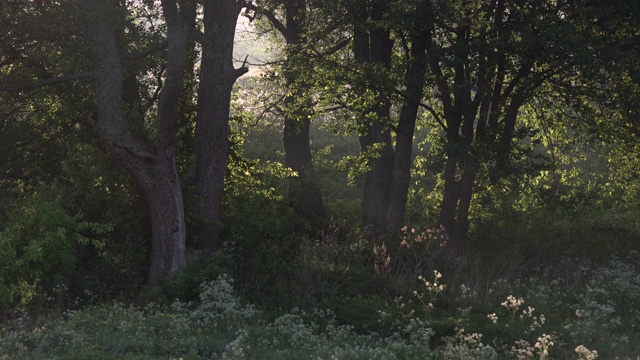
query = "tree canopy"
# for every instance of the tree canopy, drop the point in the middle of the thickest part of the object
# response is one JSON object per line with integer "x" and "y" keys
{"x": 129, "y": 132}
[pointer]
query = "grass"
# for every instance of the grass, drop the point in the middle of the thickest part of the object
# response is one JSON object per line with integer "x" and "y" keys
{"x": 551, "y": 315}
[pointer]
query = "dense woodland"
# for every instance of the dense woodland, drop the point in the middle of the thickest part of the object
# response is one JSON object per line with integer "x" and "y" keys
{"x": 358, "y": 178}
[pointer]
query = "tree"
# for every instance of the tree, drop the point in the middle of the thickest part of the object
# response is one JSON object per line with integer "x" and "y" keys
{"x": 297, "y": 105}
{"x": 372, "y": 47}
{"x": 487, "y": 59}
{"x": 217, "y": 76}
{"x": 414, "y": 83}
{"x": 379, "y": 78}
{"x": 121, "y": 119}
{"x": 153, "y": 166}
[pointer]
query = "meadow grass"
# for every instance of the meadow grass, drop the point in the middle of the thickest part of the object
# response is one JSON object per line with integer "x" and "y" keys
{"x": 593, "y": 314}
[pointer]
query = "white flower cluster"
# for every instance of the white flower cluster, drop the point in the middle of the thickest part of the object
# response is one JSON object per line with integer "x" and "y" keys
{"x": 522, "y": 350}
{"x": 542, "y": 345}
{"x": 433, "y": 288}
{"x": 234, "y": 350}
{"x": 602, "y": 308}
{"x": 610, "y": 303}
{"x": 467, "y": 346}
{"x": 536, "y": 321}
{"x": 586, "y": 354}
{"x": 493, "y": 317}
{"x": 218, "y": 306}
{"x": 512, "y": 303}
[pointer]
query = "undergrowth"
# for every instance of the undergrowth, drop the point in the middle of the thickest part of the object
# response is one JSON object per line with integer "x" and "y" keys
{"x": 589, "y": 314}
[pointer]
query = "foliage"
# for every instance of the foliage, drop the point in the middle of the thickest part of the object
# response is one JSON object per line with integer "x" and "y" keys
{"x": 539, "y": 319}
{"x": 40, "y": 249}
{"x": 548, "y": 269}
{"x": 263, "y": 239}
{"x": 399, "y": 264}
{"x": 185, "y": 286}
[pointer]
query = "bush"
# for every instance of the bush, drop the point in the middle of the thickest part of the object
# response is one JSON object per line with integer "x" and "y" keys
{"x": 537, "y": 319}
{"x": 44, "y": 251}
{"x": 37, "y": 250}
{"x": 185, "y": 285}
{"x": 263, "y": 238}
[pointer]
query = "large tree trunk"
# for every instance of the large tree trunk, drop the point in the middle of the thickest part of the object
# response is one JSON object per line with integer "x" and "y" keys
{"x": 378, "y": 180}
{"x": 154, "y": 169}
{"x": 304, "y": 193}
{"x": 467, "y": 183}
{"x": 373, "y": 49}
{"x": 217, "y": 76}
{"x": 166, "y": 210}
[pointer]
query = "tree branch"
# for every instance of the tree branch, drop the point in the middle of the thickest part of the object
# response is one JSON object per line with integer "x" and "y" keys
{"x": 332, "y": 50}
{"x": 156, "y": 93}
{"x": 270, "y": 15}
{"x": 242, "y": 69}
{"x": 52, "y": 81}
{"x": 144, "y": 53}
{"x": 139, "y": 153}
{"x": 434, "y": 114}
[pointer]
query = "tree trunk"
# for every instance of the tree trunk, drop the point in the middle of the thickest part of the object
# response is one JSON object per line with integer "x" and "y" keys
{"x": 154, "y": 169}
{"x": 377, "y": 189}
{"x": 456, "y": 202}
{"x": 461, "y": 227}
{"x": 451, "y": 195}
{"x": 414, "y": 83}
{"x": 217, "y": 76}
{"x": 166, "y": 210}
{"x": 373, "y": 49}
{"x": 304, "y": 192}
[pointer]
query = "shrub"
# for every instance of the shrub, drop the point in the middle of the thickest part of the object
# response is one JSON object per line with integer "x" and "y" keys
{"x": 37, "y": 250}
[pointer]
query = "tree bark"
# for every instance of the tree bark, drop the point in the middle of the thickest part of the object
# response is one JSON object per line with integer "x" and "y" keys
{"x": 450, "y": 197}
{"x": 480, "y": 106}
{"x": 304, "y": 192}
{"x": 217, "y": 76}
{"x": 373, "y": 49}
{"x": 154, "y": 169}
{"x": 414, "y": 84}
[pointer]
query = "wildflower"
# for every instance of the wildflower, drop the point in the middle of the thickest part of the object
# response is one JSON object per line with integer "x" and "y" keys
{"x": 543, "y": 345}
{"x": 586, "y": 354}
{"x": 493, "y": 317}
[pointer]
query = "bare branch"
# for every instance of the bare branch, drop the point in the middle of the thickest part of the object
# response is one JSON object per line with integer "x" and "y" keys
{"x": 332, "y": 109}
{"x": 242, "y": 69}
{"x": 332, "y": 50}
{"x": 156, "y": 93}
{"x": 52, "y": 81}
{"x": 90, "y": 121}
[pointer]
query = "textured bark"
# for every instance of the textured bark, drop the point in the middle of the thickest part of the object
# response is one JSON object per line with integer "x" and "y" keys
{"x": 154, "y": 169}
{"x": 217, "y": 76}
